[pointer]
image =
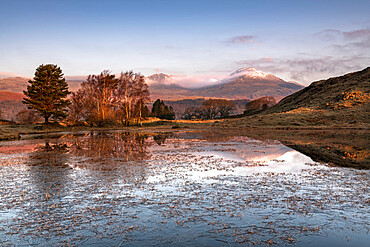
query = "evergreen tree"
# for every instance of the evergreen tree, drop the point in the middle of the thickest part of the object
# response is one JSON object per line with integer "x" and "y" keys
{"x": 162, "y": 111}
{"x": 47, "y": 92}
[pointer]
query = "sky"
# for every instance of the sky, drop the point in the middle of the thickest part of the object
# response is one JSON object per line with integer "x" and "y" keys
{"x": 297, "y": 40}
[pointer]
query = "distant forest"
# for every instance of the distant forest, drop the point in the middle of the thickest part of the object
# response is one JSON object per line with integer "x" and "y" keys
{"x": 179, "y": 106}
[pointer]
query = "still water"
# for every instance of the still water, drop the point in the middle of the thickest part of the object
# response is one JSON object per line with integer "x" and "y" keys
{"x": 176, "y": 189}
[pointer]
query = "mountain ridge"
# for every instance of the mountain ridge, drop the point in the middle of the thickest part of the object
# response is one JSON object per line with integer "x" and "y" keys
{"x": 244, "y": 83}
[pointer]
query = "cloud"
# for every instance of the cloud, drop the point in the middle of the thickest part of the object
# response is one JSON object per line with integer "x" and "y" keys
{"x": 197, "y": 81}
{"x": 333, "y": 34}
{"x": 357, "y": 34}
{"x": 346, "y": 41}
{"x": 308, "y": 69}
{"x": 240, "y": 40}
{"x": 328, "y": 34}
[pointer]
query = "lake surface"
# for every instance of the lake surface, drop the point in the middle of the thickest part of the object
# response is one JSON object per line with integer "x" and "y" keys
{"x": 184, "y": 188}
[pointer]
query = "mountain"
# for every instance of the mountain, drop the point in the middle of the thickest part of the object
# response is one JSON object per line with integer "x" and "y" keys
{"x": 245, "y": 83}
{"x": 160, "y": 79}
{"x": 251, "y": 85}
{"x": 350, "y": 91}
{"x": 328, "y": 120}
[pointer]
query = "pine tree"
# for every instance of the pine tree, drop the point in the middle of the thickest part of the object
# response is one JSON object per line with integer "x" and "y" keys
{"x": 162, "y": 111}
{"x": 47, "y": 92}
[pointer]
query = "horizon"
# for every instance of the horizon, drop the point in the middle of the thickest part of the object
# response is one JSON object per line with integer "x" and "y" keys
{"x": 202, "y": 40}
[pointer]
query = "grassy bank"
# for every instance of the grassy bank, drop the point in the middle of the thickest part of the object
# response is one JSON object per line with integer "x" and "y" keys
{"x": 18, "y": 131}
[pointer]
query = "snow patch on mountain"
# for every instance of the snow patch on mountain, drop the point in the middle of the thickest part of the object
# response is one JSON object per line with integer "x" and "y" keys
{"x": 250, "y": 72}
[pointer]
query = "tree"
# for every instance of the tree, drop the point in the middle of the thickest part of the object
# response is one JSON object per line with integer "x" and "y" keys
{"x": 99, "y": 97}
{"x": 142, "y": 96}
{"x": 27, "y": 116}
{"x": 258, "y": 105}
{"x": 210, "y": 109}
{"x": 162, "y": 111}
{"x": 132, "y": 94}
{"x": 47, "y": 92}
{"x": 105, "y": 99}
{"x": 77, "y": 108}
{"x": 217, "y": 108}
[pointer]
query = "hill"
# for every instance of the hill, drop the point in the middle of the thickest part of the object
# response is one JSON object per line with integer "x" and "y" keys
{"x": 347, "y": 91}
{"x": 4, "y": 95}
{"x": 13, "y": 84}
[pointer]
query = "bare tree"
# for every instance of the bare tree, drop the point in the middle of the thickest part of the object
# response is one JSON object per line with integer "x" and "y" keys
{"x": 100, "y": 97}
{"x": 27, "y": 116}
{"x": 132, "y": 94}
{"x": 142, "y": 95}
{"x": 210, "y": 109}
{"x": 217, "y": 108}
{"x": 104, "y": 98}
{"x": 77, "y": 107}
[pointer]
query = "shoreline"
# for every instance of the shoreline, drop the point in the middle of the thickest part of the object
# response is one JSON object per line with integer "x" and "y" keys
{"x": 15, "y": 132}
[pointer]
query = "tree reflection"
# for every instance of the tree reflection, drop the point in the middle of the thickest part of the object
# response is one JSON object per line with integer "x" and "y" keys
{"x": 161, "y": 138}
{"x": 110, "y": 148}
{"x": 118, "y": 157}
{"x": 49, "y": 154}
{"x": 50, "y": 168}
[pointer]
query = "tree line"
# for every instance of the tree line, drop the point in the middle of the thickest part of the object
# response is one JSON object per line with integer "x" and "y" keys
{"x": 106, "y": 99}
{"x": 102, "y": 99}
{"x": 210, "y": 109}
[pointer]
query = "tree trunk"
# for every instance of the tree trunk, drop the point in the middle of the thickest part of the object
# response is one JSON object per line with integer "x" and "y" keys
{"x": 46, "y": 120}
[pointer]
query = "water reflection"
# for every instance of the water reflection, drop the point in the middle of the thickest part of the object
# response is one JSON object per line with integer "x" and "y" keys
{"x": 161, "y": 137}
{"x": 110, "y": 147}
{"x": 184, "y": 188}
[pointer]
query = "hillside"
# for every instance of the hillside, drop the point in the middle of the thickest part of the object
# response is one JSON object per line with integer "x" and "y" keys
{"x": 251, "y": 88}
{"x": 10, "y": 104}
{"x": 347, "y": 91}
{"x": 13, "y": 84}
{"x": 4, "y": 95}
{"x": 169, "y": 92}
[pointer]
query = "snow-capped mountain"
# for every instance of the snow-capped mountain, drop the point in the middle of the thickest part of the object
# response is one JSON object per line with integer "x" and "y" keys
{"x": 244, "y": 83}
{"x": 250, "y": 72}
